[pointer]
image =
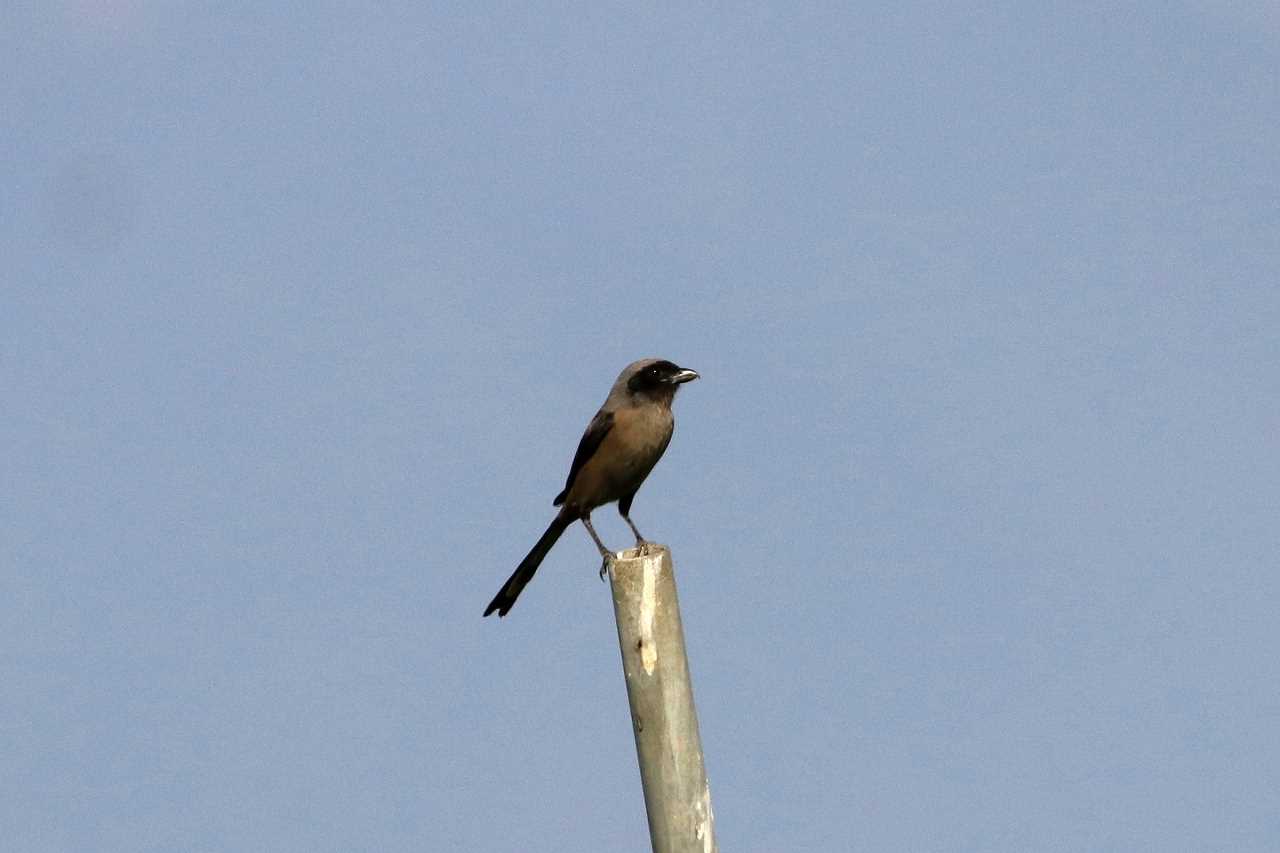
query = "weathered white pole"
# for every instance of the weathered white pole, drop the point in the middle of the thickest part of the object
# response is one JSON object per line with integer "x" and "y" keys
{"x": 676, "y": 795}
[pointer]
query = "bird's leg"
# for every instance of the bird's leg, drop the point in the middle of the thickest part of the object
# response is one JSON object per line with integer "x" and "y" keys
{"x": 605, "y": 553}
{"x": 586, "y": 522}
{"x": 640, "y": 540}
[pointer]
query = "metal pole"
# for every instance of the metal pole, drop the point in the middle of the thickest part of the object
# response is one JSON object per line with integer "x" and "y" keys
{"x": 676, "y": 795}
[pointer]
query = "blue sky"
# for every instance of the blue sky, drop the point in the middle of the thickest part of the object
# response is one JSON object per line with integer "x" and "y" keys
{"x": 304, "y": 309}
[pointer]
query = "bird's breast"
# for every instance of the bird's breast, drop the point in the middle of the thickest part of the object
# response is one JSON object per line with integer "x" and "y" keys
{"x": 625, "y": 457}
{"x": 642, "y": 434}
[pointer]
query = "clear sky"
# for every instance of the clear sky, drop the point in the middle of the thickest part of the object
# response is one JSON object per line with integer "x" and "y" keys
{"x": 974, "y": 511}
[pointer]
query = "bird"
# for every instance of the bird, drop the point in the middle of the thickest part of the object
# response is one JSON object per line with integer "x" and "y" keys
{"x": 622, "y": 443}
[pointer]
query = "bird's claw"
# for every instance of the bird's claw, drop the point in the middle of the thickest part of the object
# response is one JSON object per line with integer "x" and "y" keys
{"x": 605, "y": 563}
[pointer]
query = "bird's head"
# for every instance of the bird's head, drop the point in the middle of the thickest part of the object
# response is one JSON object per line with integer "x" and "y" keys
{"x": 656, "y": 378}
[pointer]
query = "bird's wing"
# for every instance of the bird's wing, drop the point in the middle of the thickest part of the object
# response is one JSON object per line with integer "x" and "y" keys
{"x": 596, "y": 431}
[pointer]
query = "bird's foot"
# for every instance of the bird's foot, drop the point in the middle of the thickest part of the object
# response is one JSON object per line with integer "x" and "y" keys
{"x": 606, "y": 563}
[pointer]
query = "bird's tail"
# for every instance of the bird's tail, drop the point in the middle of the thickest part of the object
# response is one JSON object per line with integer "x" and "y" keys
{"x": 510, "y": 591}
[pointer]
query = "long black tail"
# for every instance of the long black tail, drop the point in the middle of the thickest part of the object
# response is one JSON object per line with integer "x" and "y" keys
{"x": 510, "y": 591}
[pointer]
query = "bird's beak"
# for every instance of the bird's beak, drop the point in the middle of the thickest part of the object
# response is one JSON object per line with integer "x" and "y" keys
{"x": 683, "y": 375}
